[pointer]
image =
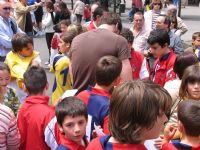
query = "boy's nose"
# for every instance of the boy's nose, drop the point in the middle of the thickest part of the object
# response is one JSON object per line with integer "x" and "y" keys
{"x": 77, "y": 129}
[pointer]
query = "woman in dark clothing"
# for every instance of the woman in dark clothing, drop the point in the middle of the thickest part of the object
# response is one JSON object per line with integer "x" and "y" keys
{"x": 62, "y": 13}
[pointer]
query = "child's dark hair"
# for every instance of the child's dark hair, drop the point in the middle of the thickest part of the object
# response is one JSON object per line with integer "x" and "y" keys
{"x": 108, "y": 68}
{"x": 97, "y": 12}
{"x": 127, "y": 34}
{"x": 189, "y": 116}
{"x": 66, "y": 22}
{"x": 195, "y": 35}
{"x": 135, "y": 106}
{"x": 191, "y": 75}
{"x": 68, "y": 37}
{"x": 70, "y": 106}
{"x": 4, "y": 66}
{"x": 183, "y": 61}
{"x": 20, "y": 41}
{"x": 35, "y": 79}
{"x": 159, "y": 36}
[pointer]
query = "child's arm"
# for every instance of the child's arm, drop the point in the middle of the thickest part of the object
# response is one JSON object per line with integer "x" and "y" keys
{"x": 16, "y": 70}
{"x": 36, "y": 61}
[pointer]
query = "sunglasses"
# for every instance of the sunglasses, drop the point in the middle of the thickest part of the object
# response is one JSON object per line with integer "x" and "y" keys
{"x": 6, "y": 8}
{"x": 156, "y": 3}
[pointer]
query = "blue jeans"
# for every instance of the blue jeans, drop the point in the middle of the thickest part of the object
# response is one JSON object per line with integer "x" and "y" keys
{"x": 175, "y": 2}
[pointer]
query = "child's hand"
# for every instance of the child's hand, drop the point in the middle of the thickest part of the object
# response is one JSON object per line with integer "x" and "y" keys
{"x": 98, "y": 131}
{"x": 159, "y": 142}
{"x": 35, "y": 63}
{"x": 169, "y": 132}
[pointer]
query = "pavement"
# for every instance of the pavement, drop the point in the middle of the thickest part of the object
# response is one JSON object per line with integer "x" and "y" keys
{"x": 190, "y": 16}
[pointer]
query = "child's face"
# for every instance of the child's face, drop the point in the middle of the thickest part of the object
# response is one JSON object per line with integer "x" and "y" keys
{"x": 74, "y": 128}
{"x": 27, "y": 51}
{"x": 63, "y": 47}
{"x": 158, "y": 126}
{"x": 157, "y": 50}
{"x": 193, "y": 90}
{"x": 196, "y": 42}
{"x": 63, "y": 28}
{"x": 4, "y": 78}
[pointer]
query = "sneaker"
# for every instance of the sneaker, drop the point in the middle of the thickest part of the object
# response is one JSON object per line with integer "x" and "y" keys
{"x": 47, "y": 66}
{"x": 46, "y": 63}
{"x": 39, "y": 34}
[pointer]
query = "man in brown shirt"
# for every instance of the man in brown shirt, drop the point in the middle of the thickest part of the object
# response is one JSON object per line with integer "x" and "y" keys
{"x": 89, "y": 47}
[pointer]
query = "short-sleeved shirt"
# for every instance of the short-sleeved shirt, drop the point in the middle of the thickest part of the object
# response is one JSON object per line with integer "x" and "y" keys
{"x": 88, "y": 48}
{"x": 62, "y": 80}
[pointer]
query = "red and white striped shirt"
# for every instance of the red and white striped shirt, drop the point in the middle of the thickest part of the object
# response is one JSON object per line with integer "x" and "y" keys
{"x": 9, "y": 133}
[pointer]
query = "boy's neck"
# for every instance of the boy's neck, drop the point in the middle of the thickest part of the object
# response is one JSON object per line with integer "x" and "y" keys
{"x": 191, "y": 140}
{"x": 107, "y": 88}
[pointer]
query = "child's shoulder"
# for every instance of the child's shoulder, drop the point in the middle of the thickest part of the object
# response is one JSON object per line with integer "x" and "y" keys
{"x": 95, "y": 144}
{"x": 60, "y": 60}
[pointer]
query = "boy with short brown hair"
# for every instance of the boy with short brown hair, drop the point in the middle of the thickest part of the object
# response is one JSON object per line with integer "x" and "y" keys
{"x": 71, "y": 114}
{"x": 138, "y": 111}
{"x": 188, "y": 125}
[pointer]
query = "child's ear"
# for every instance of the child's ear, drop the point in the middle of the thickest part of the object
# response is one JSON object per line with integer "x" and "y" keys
{"x": 24, "y": 88}
{"x": 47, "y": 86}
{"x": 180, "y": 126}
{"x": 60, "y": 128}
{"x": 68, "y": 45}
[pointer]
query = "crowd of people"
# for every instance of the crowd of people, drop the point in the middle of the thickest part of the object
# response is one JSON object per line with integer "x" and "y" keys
{"x": 114, "y": 88}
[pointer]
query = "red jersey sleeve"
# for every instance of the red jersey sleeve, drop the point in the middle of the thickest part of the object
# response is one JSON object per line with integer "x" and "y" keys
{"x": 105, "y": 126}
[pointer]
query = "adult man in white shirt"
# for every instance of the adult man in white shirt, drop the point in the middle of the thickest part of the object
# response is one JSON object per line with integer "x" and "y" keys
{"x": 140, "y": 33}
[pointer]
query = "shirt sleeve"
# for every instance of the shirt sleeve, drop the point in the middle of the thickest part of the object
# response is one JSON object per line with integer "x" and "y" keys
{"x": 13, "y": 136}
{"x": 144, "y": 73}
{"x": 122, "y": 47}
{"x": 182, "y": 28}
{"x": 5, "y": 40}
{"x": 178, "y": 45}
{"x": 170, "y": 74}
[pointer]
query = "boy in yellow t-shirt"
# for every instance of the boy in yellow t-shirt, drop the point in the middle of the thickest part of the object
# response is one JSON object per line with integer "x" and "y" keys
{"x": 61, "y": 68}
{"x": 19, "y": 59}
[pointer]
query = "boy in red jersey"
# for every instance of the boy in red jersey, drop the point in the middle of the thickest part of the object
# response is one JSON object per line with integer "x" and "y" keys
{"x": 35, "y": 113}
{"x": 137, "y": 60}
{"x": 71, "y": 114}
{"x": 97, "y": 98}
{"x": 159, "y": 42}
